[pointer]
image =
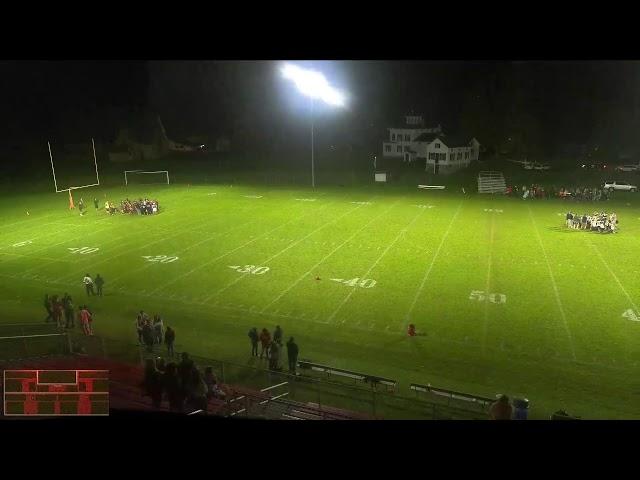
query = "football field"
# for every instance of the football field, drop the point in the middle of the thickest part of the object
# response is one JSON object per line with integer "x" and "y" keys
{"x": 509, "y": 299}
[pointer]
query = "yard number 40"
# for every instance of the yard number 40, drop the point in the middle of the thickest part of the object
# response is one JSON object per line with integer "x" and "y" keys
{"x": 631, "y": 315}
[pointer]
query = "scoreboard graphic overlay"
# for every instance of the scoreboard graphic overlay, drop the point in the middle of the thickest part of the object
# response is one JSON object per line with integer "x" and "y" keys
{"x": 56, "y": 392}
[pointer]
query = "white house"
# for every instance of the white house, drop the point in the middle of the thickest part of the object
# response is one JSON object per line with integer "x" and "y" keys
{"x": 441, "y": 153}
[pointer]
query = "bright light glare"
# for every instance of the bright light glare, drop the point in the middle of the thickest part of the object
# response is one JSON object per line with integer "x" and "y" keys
{"x": 313, "y": 84}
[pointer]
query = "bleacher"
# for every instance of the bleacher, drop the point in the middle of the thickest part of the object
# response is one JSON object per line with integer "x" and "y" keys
{"x": 452, "y": 397}
{"x": 372, "y": 380}
{"x": 491, "y": 182}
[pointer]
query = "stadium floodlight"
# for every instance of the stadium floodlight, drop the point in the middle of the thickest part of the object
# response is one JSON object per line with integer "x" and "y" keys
{"x": 315, "y": 86}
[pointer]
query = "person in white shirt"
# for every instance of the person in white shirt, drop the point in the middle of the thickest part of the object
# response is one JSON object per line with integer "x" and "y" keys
{"x": 88, "y": 284}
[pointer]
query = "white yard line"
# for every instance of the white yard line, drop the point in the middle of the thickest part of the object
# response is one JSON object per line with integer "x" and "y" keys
{"x": 624, "y": 290}
{"x": 285, "y": 291}
{"x": 430, "y": 267}
{"x": 291, "y": 245}
{"x": 172, "y": 281}
{"x": 555, "y": 286}
{"x": 400, "y": 234}
{"x": 487, "y": 288}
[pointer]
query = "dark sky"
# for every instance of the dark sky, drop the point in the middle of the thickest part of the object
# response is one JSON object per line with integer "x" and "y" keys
{"x": 548, "y": 102}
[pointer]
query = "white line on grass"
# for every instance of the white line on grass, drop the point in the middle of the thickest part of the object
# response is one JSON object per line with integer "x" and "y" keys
{"x": 291, "y": 245}
{"x": 284, "y": 292}
{"x": 172, "y": 281}
{"x": 430, "y": 267}
{"x": 401, "y": 234}
{"x": 555, "y": 286}
{"x": 487, "y": 287}
{"x": 624, "y": 290}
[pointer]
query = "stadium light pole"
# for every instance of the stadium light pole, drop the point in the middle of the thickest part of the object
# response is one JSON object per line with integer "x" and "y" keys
{"x": 315, "y": 86}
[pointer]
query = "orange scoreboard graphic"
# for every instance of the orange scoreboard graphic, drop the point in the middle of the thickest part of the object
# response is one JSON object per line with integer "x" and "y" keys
{"x": 56, "y": 392}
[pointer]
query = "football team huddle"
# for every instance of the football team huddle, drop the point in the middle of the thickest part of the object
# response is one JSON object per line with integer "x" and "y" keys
{"x": 598, "y": 222}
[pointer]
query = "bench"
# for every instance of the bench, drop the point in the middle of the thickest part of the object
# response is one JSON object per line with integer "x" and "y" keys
{"x": 374, "y": 381}
{"x": 452, "y": 395}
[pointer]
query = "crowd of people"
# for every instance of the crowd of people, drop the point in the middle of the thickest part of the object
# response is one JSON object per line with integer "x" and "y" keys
{"x": 597, "y": 222}
{"x": 183, "y": 384}
{"x": 272, "y": 348}
{"x": 138, "y": 207}
{"x": 152, "y": 332}
{"x": 62, "y": 312}
{"x": 539, "y": 192}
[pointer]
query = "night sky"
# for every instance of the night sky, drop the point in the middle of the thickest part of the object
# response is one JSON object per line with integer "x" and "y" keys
{"x": 546, "y": 103}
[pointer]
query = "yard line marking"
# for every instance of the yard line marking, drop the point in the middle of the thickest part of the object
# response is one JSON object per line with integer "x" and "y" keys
{"x": 198, "y": 267}
{"x": 400, "y": 234}
{"x": 428, "y": 271}
{"x": 218, "y": 292}
{"x": 284, "y": 292}
{"x": 487, "y": 287}
{"x": 624, "y": 290}
{"x": 555, "y": 286}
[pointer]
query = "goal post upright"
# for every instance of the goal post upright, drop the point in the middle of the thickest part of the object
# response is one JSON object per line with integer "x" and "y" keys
{"x": 55, "y": 182}
{"x": 53, "y": 170}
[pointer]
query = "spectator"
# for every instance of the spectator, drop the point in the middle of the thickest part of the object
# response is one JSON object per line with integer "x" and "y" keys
{"x": 277, "y": 335}
{"x": 140, "y": 321}
{"x": 213, "y": 388}
{"x": 152, "y": 383}
{"x": 47, "y": 306}
{"x": 158, "y": 329}
{"x": 274, "y": 357}
{"x": 292, "y": 355}
{"x": 185, "y": 367}
{"x": 501, "y": 409}
{"x": 169, "y": 339}
{"x": 68, "y": 311}
{"x": 197, "y": 390}
{"x": 56, "y": 306}
{"x": 147, "y": 335}
{"x": 172, "y": 386}
{"x": 265, "y": 340}
{"x": 85, "y": 320}
{"x": 253, "y": 335}
{"x": 99, "y": 283}
{"x": 88, "y": 284}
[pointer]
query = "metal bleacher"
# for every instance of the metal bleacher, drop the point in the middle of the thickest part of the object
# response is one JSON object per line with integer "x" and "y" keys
{"x": 491, "y": 182}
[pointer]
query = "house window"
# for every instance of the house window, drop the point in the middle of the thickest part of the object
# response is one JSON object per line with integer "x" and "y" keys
{"x": 443, "y": 157}
{"x": 466, "y": 155}
{"x": 406, "y": 138}
{"x": 406, "y": 148}
{"x": 437, "y": 145}
{"x": 399, "y": 149}
{"x": 393, "y": 137}
{"x": 387, "y": 148}
{"x": 459, "y": 155}
{"x": 452, "y": 157}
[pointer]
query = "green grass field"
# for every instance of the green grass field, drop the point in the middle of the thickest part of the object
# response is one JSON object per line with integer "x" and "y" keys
{"x": 249, "y": 256}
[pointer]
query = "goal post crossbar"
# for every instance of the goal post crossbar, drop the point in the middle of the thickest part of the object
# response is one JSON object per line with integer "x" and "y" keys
{"x": 53, "y": 171}
{"x": 144, "y": 172}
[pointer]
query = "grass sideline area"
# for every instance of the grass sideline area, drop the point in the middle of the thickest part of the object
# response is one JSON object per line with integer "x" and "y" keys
{"x": 220, "y": 259}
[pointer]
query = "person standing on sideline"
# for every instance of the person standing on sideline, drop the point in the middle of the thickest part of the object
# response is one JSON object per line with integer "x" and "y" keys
{"x": 147, "y": 335}
{"x": 68, "y": 311}
{"x": 47, "y": 306}
{"x": 81, "y": 206}
{"x": 274, "y": 357}
{"x": 88, "y": 284}
{"x": 501, "y": 409}
{"x": 169, "y": 339}
{"x": 95, "y": 203}
{"x": 140, "y": 321}
{"x": 253, "y": 335}
{"x": 158, "y": 329}
{"x": 99, "y": 283}
{"x": 292, "y": 354}
{"x": 265, "y": 340}
{"x": 85, "y": 319}
{"x": 277, "y": 335}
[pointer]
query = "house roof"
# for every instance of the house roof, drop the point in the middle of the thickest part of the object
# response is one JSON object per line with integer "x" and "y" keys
{"x": 456, "y": 141}
{"x": 428, "y": 137}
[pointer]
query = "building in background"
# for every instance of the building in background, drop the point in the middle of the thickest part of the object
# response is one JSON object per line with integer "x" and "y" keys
{"x": 441, "y": 153}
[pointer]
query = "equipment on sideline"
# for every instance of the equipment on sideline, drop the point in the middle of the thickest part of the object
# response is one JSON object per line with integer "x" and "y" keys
{"x": 381, "y": 177}
{"x": 431, "y": 187}
{"x": 163, "y": 174}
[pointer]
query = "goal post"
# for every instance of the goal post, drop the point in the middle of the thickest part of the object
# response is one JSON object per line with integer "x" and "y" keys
{"x": 161, "y": 174}
{"x": 53, "y": 171}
